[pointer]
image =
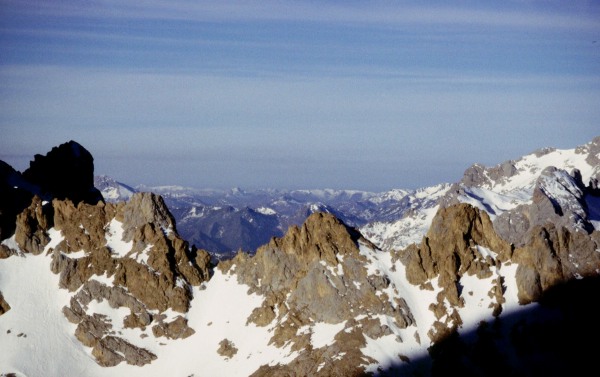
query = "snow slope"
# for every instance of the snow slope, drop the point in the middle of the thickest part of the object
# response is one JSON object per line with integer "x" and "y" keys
{"x": 413, "y": 225}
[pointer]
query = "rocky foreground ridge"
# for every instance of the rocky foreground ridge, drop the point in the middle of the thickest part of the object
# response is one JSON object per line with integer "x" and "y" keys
{"x": 477, "y": 294}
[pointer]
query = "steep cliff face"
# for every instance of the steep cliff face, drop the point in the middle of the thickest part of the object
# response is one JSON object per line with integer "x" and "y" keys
{"x": 14, "y": 197}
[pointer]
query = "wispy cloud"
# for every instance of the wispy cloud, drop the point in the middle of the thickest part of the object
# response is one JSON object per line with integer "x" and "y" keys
{"x": 569, "y": 15}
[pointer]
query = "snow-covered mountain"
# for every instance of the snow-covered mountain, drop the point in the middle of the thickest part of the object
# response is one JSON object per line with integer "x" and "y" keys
{"x": 500, "y": 191}
{"x": 112, "y": 190}
{"x": 501, "y": 282}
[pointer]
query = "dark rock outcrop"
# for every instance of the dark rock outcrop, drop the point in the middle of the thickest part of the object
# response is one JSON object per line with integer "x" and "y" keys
{"x": 176, "y": 329}
{"x": 4, "y": 306}
{"x": 111, "y": 350}
{"x": 227, "y": 348}
{"x": 15, "y": 195}
{"x": 66, "y": 172}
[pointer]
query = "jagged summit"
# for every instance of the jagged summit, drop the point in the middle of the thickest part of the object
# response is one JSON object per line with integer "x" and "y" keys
{"x": 322, "y": 237}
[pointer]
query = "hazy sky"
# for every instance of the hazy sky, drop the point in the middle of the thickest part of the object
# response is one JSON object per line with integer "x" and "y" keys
{"x": 368, "y": 95}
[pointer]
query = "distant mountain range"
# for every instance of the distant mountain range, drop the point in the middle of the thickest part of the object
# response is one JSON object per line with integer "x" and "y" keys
{"x": 496, "y": 274}
{"x": 226, "y": 221}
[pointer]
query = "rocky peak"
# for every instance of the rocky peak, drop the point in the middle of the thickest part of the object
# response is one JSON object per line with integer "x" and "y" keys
{"x": 449, "y": 250}
{"x": 66, "y": 172}
{"x": 145, "y": 208}
{"x": 552, "y": 248}
{"x": 458, "y": 243}
{"x": 317, "y": 273}
{"x": 554, "y": 255}
{"x": 480, "y": 176}
{"x": 592, "y": 152}
{"x": 559, "y": 196}
{"x": 321, "y": 237}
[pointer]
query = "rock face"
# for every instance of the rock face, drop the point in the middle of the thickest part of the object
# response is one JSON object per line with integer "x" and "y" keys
{"x": 558, "y": 197}
{"x": 559, "y": 251}
{"x": 555, "y": 255}
{"x": 479, "y": 175}
{"x": 317, "y": 273}
{"x": 32, "y": 226}
{"x": 453, "y": 249}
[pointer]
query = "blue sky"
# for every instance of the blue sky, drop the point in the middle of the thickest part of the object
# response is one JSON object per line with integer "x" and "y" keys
{"x": 368, "y": 95}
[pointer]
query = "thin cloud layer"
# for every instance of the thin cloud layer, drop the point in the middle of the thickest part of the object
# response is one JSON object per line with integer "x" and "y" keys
{"x": 353, "y": 95}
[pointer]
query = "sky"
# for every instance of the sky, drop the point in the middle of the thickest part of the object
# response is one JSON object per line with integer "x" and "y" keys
{"x": 364, "y": 95}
